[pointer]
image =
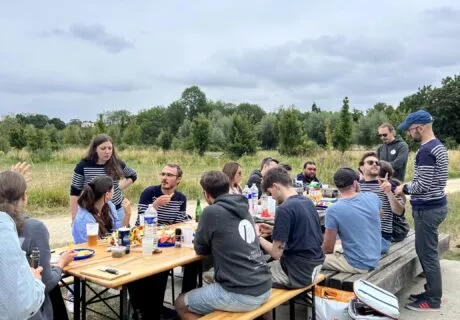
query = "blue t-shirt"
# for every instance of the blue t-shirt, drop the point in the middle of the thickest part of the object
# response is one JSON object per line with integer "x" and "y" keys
{"x": 297, "y": 225}
{"x": 84, "y": 216}
{"x": 357, "y": 222}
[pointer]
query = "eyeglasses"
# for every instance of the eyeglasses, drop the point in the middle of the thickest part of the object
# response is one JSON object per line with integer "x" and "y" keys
{"x": 383, "y": 135}
{"x": 167, "y": 174}
{"x": 372, "y": 162}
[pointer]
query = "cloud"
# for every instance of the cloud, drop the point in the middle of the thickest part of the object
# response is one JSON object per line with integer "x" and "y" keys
{"x": 94, "y": 34}
{"x": 16, "y": 84}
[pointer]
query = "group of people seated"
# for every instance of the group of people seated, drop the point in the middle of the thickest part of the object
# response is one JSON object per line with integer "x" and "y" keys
{"x": 359, "y": 227}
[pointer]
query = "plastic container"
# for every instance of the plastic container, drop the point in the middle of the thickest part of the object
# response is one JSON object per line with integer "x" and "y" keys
{"x": 118, "y": 252}
{"x": 150, "y": 241}
{"x": 255, "y": 198}
{"x": 372, "y": 303}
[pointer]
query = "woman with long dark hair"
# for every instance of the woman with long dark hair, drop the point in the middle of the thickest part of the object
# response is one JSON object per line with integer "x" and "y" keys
{"x": 95, "y": 206}
{"x": 34, "y": 234}
{"x": 233, "y": 171}
{"x": 100, "y": 160}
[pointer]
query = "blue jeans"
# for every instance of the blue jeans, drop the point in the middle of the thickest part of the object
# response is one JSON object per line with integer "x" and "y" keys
{"x": 214, "y": 297}
{"x": 426, "y": 245}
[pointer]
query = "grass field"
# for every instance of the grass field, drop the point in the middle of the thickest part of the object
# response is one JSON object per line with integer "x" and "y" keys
{"x": 50, "y": 182}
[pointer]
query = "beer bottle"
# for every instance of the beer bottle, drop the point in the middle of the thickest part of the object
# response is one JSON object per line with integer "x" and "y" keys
{"x": 198, "y": 210}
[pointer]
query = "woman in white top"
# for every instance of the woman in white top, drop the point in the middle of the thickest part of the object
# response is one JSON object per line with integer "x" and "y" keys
{"x": 234, "y": 172}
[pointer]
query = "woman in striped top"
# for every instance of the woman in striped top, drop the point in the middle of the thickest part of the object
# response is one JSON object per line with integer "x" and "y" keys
{"x": 101, "y": 159}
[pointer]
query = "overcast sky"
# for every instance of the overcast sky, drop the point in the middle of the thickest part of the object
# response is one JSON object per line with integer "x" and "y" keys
{"x": 77, "y": 60}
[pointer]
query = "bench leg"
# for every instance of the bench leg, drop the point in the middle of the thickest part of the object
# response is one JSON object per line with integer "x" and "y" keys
{"x": 291, "y": 309}
{"x": 274, "y": 314}
{"x": 313, "y": 310}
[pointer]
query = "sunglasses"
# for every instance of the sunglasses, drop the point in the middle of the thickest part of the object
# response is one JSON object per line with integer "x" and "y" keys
{"x": 383, "y": 135}
{"x": 372, "y": 162}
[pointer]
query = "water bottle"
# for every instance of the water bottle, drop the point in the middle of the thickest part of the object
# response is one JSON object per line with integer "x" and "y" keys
{"x": 247, "y": 193}
{"x": 255, "y": 198}
{"x": 150, "y": 241}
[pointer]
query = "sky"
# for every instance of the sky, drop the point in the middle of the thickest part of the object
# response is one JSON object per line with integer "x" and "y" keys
{"x": 76, "y": 60}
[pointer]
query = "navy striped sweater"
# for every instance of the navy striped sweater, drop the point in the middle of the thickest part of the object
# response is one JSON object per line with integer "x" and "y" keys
{"x": 430, "y": 176}
{"x": 87, "y": 170}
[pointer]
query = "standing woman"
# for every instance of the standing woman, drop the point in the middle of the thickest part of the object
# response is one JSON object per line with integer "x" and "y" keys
{"x": 234, "y": 172}
{"x": 34, "y": 234}
{"x": 100, "y": 160}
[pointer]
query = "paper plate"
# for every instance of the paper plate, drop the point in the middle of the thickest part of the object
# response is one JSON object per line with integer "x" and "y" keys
{"x": 86, "y": 256}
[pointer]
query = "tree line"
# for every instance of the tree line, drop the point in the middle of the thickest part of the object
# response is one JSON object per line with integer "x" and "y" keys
{"x": 196, "y": 124}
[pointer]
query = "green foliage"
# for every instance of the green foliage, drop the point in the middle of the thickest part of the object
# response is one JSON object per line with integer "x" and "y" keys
{"x": 343, "y": 131}
{"x": 367, "y": 133}
{"x": 195, "y": 101}
{"x": 175, "y": 115}
{"x": 328, "y": 134}
{"x": 241, "y": 139}
{"x": 132, "y": 134}
{"x": 201, "y": 127}
{"x": 268, "y": 132}
{"x": 151, "y": 121}
{"x": 100, "y": 126}
{"x": 184, "y": 140}
{"x": 290, "y": 132}
{"x": 252, "y": 112}
{"x": 315, "y": 108}
{"x": 165, "y": 140}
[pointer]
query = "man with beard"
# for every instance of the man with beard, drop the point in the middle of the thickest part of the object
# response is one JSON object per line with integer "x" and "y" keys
{"x": 169, "y": 203}
{"x": 394, "y": 150}
{"x": 355, "y": 218}
{"x": 308, "y": 174}
{"x": 429, "y": 205}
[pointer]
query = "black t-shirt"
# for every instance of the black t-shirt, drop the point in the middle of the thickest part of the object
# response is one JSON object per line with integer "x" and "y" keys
{"x": 297, "y": 224}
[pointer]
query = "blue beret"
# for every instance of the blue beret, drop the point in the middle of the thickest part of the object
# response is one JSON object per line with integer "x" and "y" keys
{"x": 418, "y": 117}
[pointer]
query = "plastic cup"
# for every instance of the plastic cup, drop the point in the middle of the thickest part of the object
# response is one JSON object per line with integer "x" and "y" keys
{"x": 92, "y": 232}
{"x": 187, "y": 235}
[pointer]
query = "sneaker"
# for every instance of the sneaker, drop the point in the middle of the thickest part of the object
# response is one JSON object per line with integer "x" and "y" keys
{"x": 69, "y": 303}
{"x": 423, "y": 305}
{"x": 418, "y": 296}
{"x": 208, "y": 276}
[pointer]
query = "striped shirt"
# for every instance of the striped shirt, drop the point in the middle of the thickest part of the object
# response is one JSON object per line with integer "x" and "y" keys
{"x": 387, "y": 220}
{"x": 430, "y": 176}
{"x": 173, "y": 212}
{"x": 87, "y": 170}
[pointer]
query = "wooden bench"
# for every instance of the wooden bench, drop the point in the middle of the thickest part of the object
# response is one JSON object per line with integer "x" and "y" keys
{"x": 278, "y": 297}
{"x": 396, "y": 270}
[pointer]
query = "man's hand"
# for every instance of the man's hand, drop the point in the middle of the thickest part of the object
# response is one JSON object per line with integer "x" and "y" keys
{"x": 385, "y": 185}
{"x": 162, "y": 200}
{"x": 37, "y": 273}
{"x": 399, "y": 190}
{"x": 264, "y": 229}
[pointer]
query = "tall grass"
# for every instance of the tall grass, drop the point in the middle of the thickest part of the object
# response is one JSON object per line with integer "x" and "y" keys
{"x": 50, "y": 182}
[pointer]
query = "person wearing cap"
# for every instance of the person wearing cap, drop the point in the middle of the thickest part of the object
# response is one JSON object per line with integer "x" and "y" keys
{"x": 355, "y": 218}
{"x": 256, "y": 176}
{"x": 393, "y": 149}
{"x": 429, "y": 205}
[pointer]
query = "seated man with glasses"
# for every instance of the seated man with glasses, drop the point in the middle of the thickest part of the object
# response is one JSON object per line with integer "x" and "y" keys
{"x": 169, "y": 203}
{"x": 393, "y": 149}
{"x": 371, "y": 182}
{"x": 355, "y": 218}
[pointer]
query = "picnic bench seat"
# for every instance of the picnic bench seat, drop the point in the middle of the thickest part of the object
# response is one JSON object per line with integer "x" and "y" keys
{"x": 396, "y": 269}
{"x": 277, "y": 297}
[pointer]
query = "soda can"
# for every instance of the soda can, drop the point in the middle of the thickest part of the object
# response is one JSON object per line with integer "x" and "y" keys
{"x": 123, "y": 237}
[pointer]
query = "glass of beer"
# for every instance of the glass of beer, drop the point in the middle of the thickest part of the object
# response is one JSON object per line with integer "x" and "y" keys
{"x": 92, "y": 232}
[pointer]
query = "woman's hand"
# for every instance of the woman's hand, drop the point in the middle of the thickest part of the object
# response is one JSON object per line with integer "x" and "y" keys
{"x": 66, "y": 258}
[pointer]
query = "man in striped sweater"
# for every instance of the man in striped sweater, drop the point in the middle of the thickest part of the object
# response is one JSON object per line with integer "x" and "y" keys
{"x": 429, "y": 205}
{"x": 369, "y": 166}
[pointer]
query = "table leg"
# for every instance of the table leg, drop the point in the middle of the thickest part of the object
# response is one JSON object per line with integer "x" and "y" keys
{"x": 76, "y": 298}
{"x": 83, "y": 299}
{"x": 200, "y": 274}
{"x": 124, "y": 310}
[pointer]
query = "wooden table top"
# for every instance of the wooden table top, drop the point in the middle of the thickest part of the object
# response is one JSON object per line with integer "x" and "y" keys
{"x": 138, "y": 265}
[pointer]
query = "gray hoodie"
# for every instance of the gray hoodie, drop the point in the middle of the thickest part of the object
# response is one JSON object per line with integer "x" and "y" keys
{"x": 396, "y": 153}
{"x": 226, "y": 230}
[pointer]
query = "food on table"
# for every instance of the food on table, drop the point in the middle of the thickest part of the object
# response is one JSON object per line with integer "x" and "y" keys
{"x": 82, "y": 253}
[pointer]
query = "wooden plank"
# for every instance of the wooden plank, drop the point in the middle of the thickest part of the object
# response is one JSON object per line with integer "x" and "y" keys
{"x": 278, "y": 297}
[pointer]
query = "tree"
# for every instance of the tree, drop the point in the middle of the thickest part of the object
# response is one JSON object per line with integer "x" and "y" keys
{"x": 220, "y": 130}
{"x": 151, "y": 121}
{"x": 315, "y": 108}
{"x": 201, "y": 128}
{"x": 252, "y": 112}
{"x": 328, "y": 134}
{"x": 184, "y": 139}
{"x": 356, "y": 115}
{"x": 175, "y": 115}
{"x": 58, "y": 123}
{"x": 268, "y": 134}
{"x": 366, "y": 132}
{"x": 14, "y": 132}
{"x": 242, "y": 139}
{"x": 290, "y": 132}
{"x": 132, "y": 134}
{"x": 54, "y": 136}
{"x": 37, "y": 139}
{"x": 118, "y": 118}
{"x": 195, "y": 101}
{"x": 342, "y": 135}
{"x": 39, "y": 121}
{"x": 165, "y": 139}
{"x": 100, "y": 126}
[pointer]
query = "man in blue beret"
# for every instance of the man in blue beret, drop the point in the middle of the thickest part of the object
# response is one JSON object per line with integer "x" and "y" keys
{"x": 429, "y": 205}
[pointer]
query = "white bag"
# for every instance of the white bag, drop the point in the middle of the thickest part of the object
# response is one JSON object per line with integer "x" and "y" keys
{"x": 332, "y": 304}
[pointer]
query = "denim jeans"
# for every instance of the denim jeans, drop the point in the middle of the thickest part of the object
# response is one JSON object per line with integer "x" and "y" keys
{"x": 426, "y": 245}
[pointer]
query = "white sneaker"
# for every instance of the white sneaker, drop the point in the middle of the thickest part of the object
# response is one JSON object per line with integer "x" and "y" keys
{"x": 69, "y": 303}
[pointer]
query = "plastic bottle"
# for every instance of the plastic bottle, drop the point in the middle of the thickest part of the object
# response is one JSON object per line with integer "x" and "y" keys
{"x": 247, "y": 193}
{"x": 255, "y": 198}
{"x": 150, "y": 241}
{"x": 198, "y": 210}
{"x": 35, "y": 258}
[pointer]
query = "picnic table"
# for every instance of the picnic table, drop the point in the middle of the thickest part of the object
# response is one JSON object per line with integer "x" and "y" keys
{"x": 134, "y": 264}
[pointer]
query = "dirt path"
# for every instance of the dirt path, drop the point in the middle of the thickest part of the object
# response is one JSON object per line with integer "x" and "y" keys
{"x": 60, "y": 229}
